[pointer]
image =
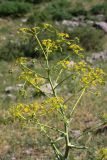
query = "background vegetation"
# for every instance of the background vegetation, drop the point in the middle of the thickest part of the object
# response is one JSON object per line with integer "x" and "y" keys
{"x": 17, "y": 143}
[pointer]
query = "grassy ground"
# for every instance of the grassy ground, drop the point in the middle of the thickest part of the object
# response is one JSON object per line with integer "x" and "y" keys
{"x": 18, "y": 143}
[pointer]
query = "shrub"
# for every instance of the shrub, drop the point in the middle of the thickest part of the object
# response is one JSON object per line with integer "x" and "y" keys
{"x": 30, "y": 1}
{"x": 99, "y": 8}
{"x": 78, "y": 10}
{"x": 13, "y": 49}
{"x": 91, "y": 39}
{"x": 56, "y": 10}
{"x": 14, "y": 8}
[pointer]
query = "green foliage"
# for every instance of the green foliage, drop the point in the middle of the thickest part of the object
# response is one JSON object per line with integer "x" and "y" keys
{"x": 14, "y": 8}
{"x": 58, "y": 10}
{"x": 13, "y": 49}
{"x": 30, "y": 1}
{"x": 10, "y": 50}
{"x": 99, "y": 9}
{"x": 78, "y": 10}
{"x": 90, "y": 38}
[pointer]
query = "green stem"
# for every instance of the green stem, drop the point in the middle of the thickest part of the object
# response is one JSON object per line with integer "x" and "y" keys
{"x": 67, "y": 142}
{"x": 26, "y": 68}
{"x": 63, "y": 81}
{"x": 74, "y": 107}
{"x": 55, "y": 129}
{"x": 40, "y": 45}
{"x": 57, "y": 152}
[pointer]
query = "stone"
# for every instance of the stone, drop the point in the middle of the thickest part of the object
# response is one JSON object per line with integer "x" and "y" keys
{"x": 24, "y": 20}
{"x": 19, "y": 86}
{"x": 98, "y": 56}
{"x": 89, "y": 22}
{"x": 70, "y": 23}
{"x": 101, "y": 25}
{"x": 9, "y": 89}
{"x": 100, "y": 17}
{"x": 46, "y": 88}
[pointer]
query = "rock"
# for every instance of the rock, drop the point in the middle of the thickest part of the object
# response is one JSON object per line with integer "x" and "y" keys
{"x": 13, "y": 158}
{"x": 9, "y": 89}
{"x": 70, "y": 23}
{"x": 100, "y": 17}
{"x": 89, "y": 22}
{"x": 19, "y": 86}
{"x": 46, "y": 88}
{"x": 28, "y": 151}
{"x": 24, "y": 20}
{"x": 98, "y": 56}
{"x": 101, "y": 25}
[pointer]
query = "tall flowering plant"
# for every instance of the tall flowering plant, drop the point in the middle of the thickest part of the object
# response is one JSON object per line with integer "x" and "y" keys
{"x": 54, "y": 103}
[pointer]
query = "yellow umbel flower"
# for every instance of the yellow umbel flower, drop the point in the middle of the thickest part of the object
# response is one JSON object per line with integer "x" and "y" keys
{"x": 103, "y": 154}
{"x": 63, "y": 35}
{"x": 54, "y": 103}
{"x": 50, "y": 45}
{"x": 76, "y": 48}
{"x": 26, "y": 111}
{"x": 80, "y": 66}
{"x": 64, "y": 63}
{"x": 31, "y": 77}
{"x": 22, "y": 60}
{"x": 93, "y": 77}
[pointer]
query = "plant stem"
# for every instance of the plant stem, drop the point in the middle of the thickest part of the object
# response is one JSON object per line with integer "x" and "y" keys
{"x": 67, "y": 142}
{"x": 78, "y": 100}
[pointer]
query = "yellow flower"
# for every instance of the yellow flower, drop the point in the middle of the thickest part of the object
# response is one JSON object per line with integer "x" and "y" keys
{"x": 22, "y": 60}
{"x": 63, "y": 35}
{"x": 76, "y": 48}
{"x": 54, "y": 102}
{"x": 49, "y": 44}
{"x": 80, "y": 66}
{"x": 31, "y": 77}
{"x": 103, "y": 153}
{"x": 25, "y": 30}
{"x": 46, "y": 25}
{"x": 64, "y": 63}
{"x": 93, "y": 77}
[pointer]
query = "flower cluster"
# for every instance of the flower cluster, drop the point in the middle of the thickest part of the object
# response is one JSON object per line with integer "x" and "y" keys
{"x": 63, "y": 35}
{"x": 50, "y": 45}
{"x": 76, "y": 48}
{"x": 88, "y": 76}
{"x": 27, "y": 111}
{"x": 64, "y": 64}
{"x": 80, "y": 66}
{"x": 103, "y": 154}
{"x": 22, "y": 60}
{"x": 31, "y": 78}
{"x": 36, "y": 110}
{"x": 24, "y": 30}
{"x": 93, "y": 77}
{"x": 54, "y": 102}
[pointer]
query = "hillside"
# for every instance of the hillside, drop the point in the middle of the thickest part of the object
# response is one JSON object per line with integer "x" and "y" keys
{"x": 87, "y": 20}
